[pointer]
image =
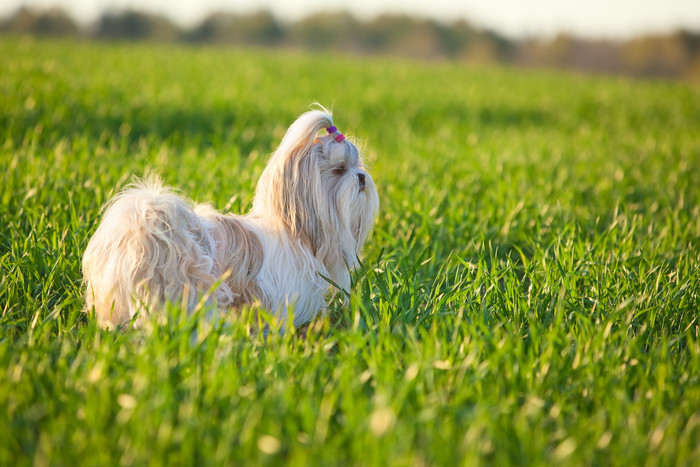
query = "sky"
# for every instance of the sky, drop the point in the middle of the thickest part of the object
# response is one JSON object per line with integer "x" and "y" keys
{"x": 515, "y": 18}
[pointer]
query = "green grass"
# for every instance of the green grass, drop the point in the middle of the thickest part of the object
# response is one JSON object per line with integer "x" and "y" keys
{"x": 530, "y": 294}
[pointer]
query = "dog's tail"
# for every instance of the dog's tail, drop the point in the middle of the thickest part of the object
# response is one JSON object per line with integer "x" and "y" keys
{"x": 151, "y": 247}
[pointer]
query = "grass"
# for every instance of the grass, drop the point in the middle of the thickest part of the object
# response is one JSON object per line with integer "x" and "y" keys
{"x": 530, "y": 294}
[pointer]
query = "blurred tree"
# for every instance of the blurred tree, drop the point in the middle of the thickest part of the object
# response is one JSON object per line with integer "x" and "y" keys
{"x": 455, "y": 39}
{"x": 323, "y": 31}
{"x": 260, "y": 28}
{"x": 134, "y": 25}
{"x": 675, "y": 55}
{"x": 662, "y": 56}
{"x": 401, "y": 35}
{"x": 49, "y": 22}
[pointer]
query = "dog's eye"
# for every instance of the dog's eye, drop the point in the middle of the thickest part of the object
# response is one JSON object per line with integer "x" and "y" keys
{"x": 339, "y": 169}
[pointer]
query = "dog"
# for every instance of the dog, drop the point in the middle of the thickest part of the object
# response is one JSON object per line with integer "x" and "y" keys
{"x": 313, "y": 209}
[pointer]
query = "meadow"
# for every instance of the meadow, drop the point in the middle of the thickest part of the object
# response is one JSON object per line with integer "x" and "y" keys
{"x": 529, "y": 296}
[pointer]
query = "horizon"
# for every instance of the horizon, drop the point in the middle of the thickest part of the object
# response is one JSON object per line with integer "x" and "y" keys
{"x": 599, "y": 19}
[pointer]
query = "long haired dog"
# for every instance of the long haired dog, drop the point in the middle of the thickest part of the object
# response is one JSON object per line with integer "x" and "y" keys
{"x": 313, "y": 209}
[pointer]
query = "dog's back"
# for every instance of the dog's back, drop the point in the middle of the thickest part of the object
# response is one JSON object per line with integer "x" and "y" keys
{"x": 150, "y": 247}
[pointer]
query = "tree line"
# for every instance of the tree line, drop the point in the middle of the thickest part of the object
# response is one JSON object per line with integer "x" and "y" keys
{"x": 673, "y": 55}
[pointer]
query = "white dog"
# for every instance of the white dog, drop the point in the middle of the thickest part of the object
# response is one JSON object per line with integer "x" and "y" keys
{"x": 313, "y": 209}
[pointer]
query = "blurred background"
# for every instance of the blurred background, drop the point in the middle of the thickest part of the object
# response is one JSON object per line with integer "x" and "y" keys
{"x": 643, "y": 38}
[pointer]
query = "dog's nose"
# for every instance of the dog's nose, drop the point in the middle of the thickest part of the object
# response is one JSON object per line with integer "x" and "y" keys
{"x": 361, "y": 180}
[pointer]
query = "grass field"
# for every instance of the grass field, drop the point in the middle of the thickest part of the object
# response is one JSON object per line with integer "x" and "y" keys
{"x": 530, "y": 294}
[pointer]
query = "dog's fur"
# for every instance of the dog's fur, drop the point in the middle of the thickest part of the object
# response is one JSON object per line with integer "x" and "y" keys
{"x": 313, "y": 209}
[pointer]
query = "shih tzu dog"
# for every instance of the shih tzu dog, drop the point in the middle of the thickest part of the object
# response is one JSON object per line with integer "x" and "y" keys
{"x": 314, "y": 207}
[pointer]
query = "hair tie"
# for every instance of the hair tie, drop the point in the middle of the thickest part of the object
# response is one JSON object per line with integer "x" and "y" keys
{"x": 337, "y": 136}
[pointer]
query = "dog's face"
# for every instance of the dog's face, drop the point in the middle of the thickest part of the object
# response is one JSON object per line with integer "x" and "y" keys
{"x": 318, "y": 189}
{"x": 352, "y": 196}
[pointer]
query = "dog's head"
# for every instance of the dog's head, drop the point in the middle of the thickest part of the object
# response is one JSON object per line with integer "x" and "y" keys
{"x": 317, "y": 188}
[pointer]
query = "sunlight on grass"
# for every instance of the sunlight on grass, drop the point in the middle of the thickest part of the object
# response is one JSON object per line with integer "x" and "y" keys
{"x": 530, "y": 294}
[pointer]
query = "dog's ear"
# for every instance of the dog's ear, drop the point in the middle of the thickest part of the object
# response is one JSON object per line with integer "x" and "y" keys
{"x": 290, "y": 192}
